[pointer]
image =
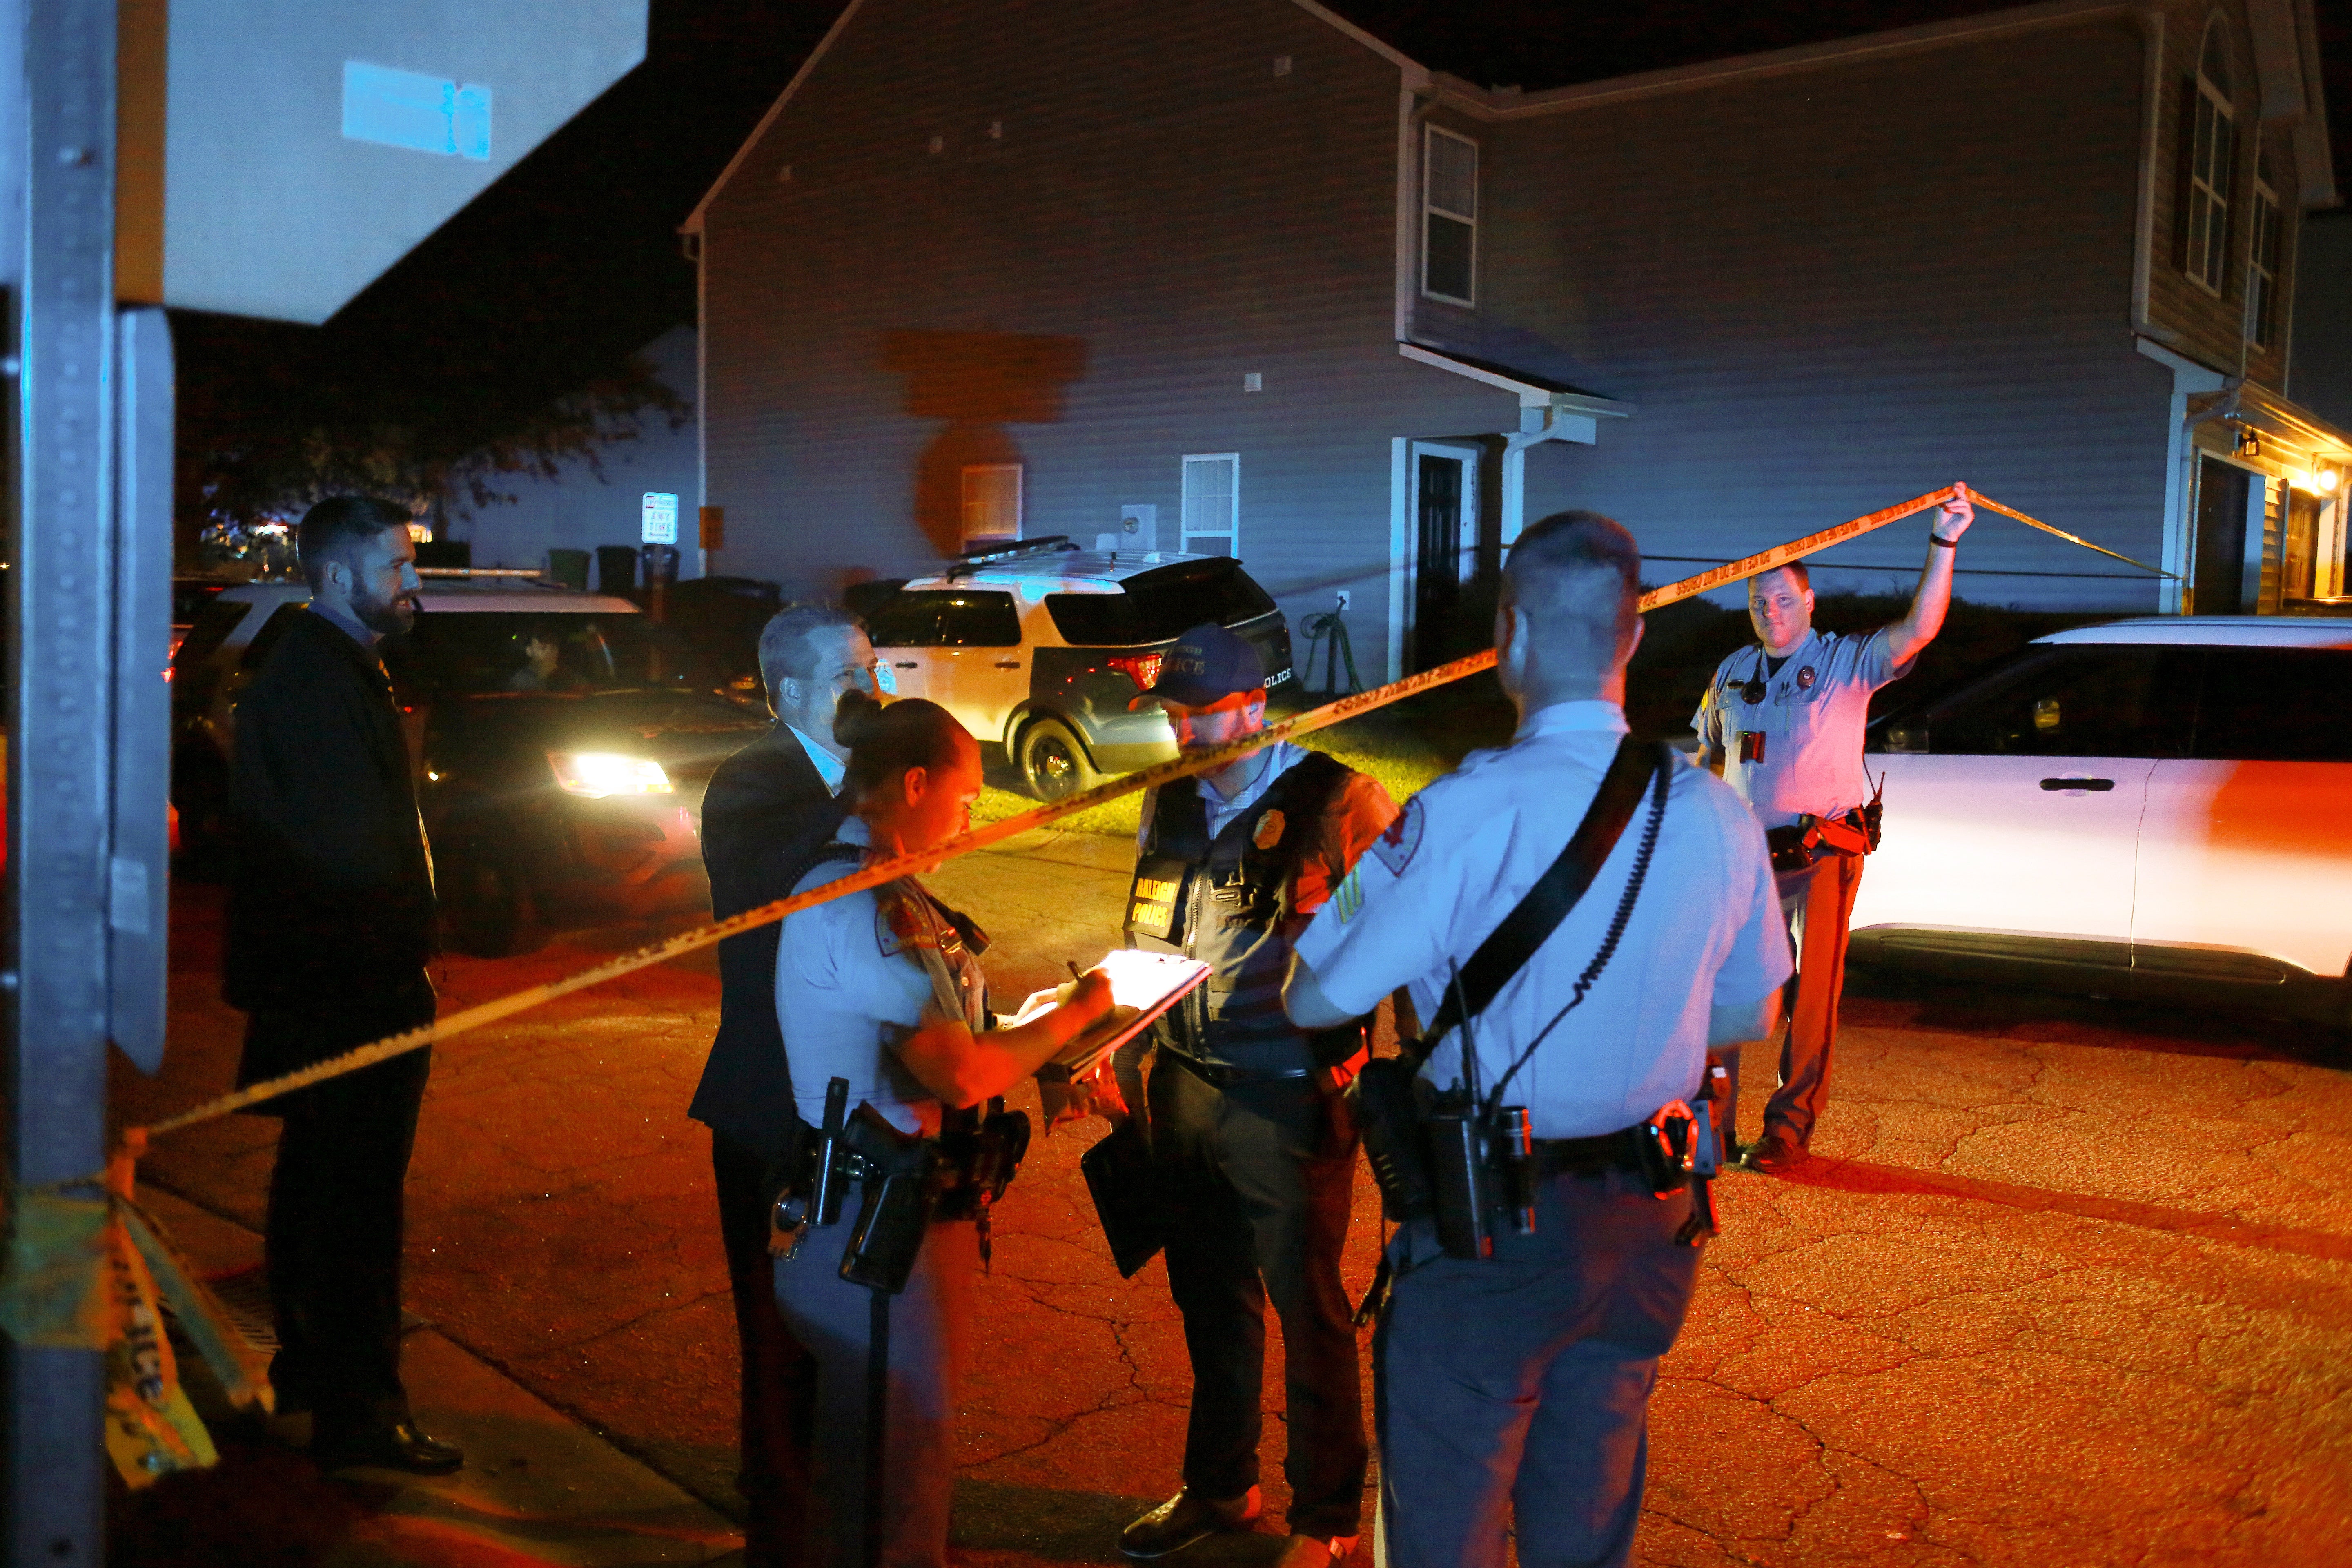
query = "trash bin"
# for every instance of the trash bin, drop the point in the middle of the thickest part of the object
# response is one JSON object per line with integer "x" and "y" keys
{"x": 616, "y": 569}
{"x": 567, "y": 568}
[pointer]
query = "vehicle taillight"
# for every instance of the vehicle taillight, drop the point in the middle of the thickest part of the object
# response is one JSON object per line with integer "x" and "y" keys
{"x": 1142, "y": 668}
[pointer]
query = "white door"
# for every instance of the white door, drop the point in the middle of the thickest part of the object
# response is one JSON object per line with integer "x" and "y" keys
{"x": 2015, "y": 805}
{"x": 1444, "y": 558}
{"x": 2247, "y": 845}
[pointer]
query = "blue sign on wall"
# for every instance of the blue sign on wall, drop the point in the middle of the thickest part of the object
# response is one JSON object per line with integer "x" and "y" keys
{"x": 421, "y": 113}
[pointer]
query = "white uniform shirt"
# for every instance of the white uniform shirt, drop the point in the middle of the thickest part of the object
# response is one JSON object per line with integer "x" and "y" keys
{"x": 1707, "y": 930}
{"x": 1810, "y": 721}
{"x": 848, "y": 995}
{"x": 829, "y": 768}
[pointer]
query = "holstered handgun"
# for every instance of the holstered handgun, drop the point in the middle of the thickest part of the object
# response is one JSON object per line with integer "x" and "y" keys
{"x": 1386, "y": 1096}
{"x": 897, "y": 1168}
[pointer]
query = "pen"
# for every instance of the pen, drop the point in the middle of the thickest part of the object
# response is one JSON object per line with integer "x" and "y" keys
{"x": 1071, "y": 965}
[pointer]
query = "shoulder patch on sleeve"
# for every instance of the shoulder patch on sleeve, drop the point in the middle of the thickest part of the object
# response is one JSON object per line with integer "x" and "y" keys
{"x": 1396, "y": 844}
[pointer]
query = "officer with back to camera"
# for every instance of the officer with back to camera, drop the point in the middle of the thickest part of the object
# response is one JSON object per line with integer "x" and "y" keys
{"x": 768, "y": 807}
{"x": 1254, "y": 1150}
{"x": 1783, "y": 721}
{"x": 1520, "y": 1380}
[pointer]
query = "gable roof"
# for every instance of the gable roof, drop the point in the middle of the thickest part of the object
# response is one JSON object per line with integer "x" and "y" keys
{"x": 1507, "y": 58}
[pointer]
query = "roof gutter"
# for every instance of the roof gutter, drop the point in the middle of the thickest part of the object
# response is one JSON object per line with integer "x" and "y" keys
{"x": 1546, "y": 414}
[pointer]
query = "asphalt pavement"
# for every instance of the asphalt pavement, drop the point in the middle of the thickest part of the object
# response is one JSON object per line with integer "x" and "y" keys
{"x": 2071, "y": 1283}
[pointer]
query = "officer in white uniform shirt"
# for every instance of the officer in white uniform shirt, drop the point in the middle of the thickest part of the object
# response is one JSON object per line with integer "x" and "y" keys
{"x": 1783, "y": 721}
{"x": 1520, "y": 1383}
{"x": 884, "y": 988}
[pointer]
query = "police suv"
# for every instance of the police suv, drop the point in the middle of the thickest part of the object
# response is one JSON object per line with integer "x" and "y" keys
{"x": 1040, "y": 646}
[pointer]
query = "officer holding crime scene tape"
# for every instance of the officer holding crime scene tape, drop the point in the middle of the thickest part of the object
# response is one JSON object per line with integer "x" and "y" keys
{"x": 1252, "y": 1150}
{"x": 1783, "y": 723}
{"x": 881, "y": 999}
{"x": 1579, "y": 917}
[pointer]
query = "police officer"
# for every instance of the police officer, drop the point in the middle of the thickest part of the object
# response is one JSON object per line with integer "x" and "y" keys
{"x": 768, "y": 807}
{"x": 1521, "y": 1380}
{"x": 884, "y": 988}
{"x": 1249, "y": 1135}
{"x": 1783, "y": 724}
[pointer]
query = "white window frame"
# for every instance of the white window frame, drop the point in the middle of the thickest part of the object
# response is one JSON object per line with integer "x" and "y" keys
{"x": 2206, "y": 261}
{"x": 1429, "y": 209}
{"x": 965, "y": 501}
{"x": 1188, "y": 511}
{"x": 2265, "y": 253}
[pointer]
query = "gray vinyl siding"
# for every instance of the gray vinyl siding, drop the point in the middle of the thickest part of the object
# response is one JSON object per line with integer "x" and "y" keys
{"x": 1162, "y": 215}
{"x": 1831, "y": 291}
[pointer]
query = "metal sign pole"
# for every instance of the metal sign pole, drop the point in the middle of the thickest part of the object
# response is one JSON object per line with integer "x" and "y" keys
{"x": 61, "y": 680}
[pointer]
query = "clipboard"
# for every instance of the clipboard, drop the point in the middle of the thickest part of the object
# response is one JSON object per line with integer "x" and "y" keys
{"x": 1143, "y": 985}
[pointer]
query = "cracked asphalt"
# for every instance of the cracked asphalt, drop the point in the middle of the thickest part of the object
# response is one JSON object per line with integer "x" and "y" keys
{"x": 2071, "y": 1283}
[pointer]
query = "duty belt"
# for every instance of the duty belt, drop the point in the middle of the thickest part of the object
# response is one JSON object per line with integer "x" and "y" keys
{"x": 1617, "y": 1150}
{"x": 1216, "y": 1075}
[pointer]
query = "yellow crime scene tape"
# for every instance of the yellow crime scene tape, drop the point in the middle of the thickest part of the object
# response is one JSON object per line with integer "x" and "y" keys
{"x": 877, "y": 872}
{"x": 94, "y": 1271}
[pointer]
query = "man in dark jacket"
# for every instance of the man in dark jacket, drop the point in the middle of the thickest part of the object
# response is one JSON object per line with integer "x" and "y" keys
{"x": 1255, "y": 1148}
{"x": 769, "y": 807}
{"x": 330, "y": 924}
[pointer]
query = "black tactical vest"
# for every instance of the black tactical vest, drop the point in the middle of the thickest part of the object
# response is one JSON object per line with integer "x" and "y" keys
{"x": 1224, "y": 902}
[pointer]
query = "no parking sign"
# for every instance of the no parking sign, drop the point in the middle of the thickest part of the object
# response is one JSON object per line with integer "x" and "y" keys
{"x": 659, "y": 518}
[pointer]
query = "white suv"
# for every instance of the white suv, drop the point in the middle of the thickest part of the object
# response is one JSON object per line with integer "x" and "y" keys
{"x": 2154, "y": 808}
{"x": 1040, "y": 646}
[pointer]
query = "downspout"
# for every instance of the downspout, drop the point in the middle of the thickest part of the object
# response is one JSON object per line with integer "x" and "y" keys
{"x": 1537, "y": 425}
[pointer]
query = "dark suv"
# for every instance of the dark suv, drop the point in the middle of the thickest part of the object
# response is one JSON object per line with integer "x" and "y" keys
{"x": 1039, "y": 647}
{"x": 563, "y": 741}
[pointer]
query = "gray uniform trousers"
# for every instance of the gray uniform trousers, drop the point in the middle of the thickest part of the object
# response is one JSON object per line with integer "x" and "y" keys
{"x": 1524, "y": 1381}
{"x": 930, "y": 1332}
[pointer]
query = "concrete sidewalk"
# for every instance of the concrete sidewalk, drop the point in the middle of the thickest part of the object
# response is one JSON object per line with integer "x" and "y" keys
{"x": 539, "y": 1486}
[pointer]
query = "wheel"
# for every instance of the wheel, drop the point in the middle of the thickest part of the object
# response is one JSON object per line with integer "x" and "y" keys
{"x": 486, "y": 898}
{"x": 1054, "y": 762}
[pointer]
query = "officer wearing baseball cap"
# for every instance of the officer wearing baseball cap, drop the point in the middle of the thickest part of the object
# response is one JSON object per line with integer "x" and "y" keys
{"x": 1247, "y": 1128}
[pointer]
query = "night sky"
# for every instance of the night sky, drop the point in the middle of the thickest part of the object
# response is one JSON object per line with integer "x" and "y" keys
{"x": 571, "y": 262}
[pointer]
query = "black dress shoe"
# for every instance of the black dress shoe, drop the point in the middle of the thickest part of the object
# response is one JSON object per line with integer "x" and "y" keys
{"x": 400, "y": 1447}
{"x": 1776, "y": 1153}
{"x": 1185, "y": 1519}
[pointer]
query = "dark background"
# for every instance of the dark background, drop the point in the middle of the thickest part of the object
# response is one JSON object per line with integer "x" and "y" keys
{"x": 545, "y": 285}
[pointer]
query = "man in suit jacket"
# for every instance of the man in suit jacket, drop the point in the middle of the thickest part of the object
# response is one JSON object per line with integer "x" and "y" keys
{"x": 768, "y": 807}
{"x": 330, "y": 924}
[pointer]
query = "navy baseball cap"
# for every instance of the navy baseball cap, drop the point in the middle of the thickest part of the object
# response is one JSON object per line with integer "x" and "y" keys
{"x": 1207, "y": 664}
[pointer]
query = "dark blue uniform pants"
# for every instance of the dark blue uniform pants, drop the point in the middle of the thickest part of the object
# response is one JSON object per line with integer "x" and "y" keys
{"x": 928, "y": 1330}
{"x": 1259, "y": 1181}
{"x": 1523, "y": 1380}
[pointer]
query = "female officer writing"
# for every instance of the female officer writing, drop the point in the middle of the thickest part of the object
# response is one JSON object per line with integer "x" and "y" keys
{"x": 883, "y": 988}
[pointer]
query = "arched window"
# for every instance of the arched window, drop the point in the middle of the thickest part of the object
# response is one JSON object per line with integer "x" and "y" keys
{"x": 2209, "y": 151}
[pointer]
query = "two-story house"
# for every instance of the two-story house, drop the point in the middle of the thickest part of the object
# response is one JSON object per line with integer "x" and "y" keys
{"x": 1242, "y": 276}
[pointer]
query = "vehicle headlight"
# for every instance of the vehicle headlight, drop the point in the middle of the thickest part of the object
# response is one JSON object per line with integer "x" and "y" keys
{"x": 597, "y": 774}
